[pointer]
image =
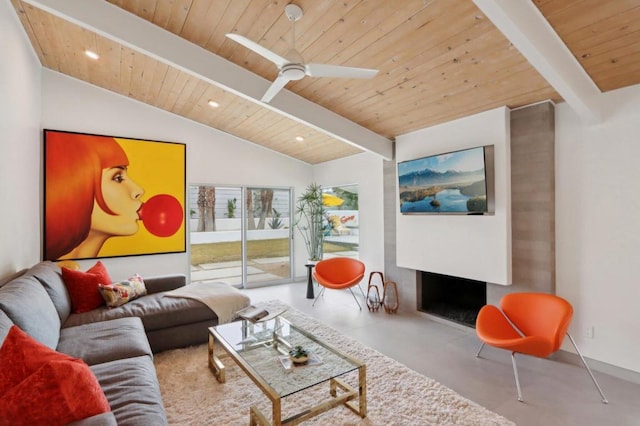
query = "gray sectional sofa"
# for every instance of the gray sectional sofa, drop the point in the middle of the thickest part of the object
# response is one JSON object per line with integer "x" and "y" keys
{"x": 117, "y": 343}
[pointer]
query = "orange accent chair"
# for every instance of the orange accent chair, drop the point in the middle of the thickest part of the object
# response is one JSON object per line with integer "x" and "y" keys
{"x": 339, "y": 273}
{"x": 529, "y": 323}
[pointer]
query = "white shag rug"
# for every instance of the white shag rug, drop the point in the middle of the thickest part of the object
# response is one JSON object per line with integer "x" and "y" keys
{"x": 396, "y": 395}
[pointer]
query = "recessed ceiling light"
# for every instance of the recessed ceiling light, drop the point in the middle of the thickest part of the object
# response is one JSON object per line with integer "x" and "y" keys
{"x": 299, "y": 138}
{"x": 91, "y": 54}
{"x": 213, "y": 104}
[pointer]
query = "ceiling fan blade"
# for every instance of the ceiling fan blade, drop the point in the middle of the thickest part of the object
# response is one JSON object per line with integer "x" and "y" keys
{"x": 325, "y": 70}
{"x": 264, "y": 52}
{"x": 275, "y": 87}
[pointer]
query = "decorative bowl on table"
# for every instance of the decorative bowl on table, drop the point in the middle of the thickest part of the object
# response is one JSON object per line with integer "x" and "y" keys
{"x": 299, "y": 355}
{"x": 300, "y": 360}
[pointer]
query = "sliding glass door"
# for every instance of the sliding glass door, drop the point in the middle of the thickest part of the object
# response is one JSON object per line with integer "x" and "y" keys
{"x": 215, "y": 231}
{"x": 240, "y": 235}
{"x": 268, "y": 236}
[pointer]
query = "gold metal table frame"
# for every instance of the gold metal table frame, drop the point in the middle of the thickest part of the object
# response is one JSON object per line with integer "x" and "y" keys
{"x": 340, "y": 392}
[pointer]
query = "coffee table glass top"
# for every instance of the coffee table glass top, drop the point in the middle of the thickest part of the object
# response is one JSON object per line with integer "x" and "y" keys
{"x": 259, "y": 346}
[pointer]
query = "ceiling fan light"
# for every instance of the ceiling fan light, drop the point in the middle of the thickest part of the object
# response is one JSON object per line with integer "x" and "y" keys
{"x": 293, "y": 72}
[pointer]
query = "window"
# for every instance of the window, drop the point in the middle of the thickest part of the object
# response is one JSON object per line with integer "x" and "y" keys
{"x": 341, "y": 210}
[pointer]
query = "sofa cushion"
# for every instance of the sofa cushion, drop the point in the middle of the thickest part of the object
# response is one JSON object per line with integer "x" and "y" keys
{"x": 104, "y": 419}
{"x": 118, "y": 293}
{"x": 157, "y": 312}
{"x": 163, "y": 283}
{"x": 27, "y": 304}
{"x": 50, "y": 276}
{"x": 59, "y": 392}
{"x": 5, "y": 325}
{"x": 83, "y": 287}
{"x": 180, "y": 336}
{"x": 105, "y": 341}
{"x": 132, "y": 389}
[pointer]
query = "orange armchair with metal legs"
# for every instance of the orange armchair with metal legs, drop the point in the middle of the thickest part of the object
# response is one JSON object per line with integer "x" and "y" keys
{"x": 529, "y": 323}
{"x": 339, "y": 273}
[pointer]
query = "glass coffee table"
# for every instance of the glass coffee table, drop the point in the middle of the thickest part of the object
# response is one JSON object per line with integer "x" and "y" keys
{"x": 258, "y": 348}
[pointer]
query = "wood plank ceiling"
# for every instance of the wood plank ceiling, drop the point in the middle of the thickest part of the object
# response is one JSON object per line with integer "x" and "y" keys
{"x": 438, "y": 59}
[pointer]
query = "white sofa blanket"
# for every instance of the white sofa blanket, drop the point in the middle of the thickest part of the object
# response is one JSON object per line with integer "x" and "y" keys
{"x": 221, "y": 298}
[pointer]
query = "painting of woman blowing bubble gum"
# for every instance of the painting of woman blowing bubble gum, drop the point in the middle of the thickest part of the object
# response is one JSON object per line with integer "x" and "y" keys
{"x": 107, "y": 196}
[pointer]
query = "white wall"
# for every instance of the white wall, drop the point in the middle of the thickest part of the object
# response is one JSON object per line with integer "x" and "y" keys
{"x": 598, "y": 227}
{"x": 19, "y": 147}
{"x": 475, "y": 247}
{"x": 365, "y": 170}
{"x": 212, "y": 156}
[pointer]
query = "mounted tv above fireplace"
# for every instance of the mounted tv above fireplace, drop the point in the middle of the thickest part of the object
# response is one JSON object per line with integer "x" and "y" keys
{"x": 458, "y": 182}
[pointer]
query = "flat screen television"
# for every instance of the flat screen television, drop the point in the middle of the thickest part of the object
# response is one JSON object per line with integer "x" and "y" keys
{"x": 458, "y": 182}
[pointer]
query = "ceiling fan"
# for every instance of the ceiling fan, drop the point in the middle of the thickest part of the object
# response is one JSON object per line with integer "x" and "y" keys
{"x": 291, "y": 66}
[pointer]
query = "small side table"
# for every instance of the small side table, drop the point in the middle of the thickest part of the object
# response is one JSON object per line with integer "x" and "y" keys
{"x": 310, "y": 280}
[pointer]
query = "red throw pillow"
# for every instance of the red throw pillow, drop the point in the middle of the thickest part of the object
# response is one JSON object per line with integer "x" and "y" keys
{"x": 41, "y": 386}
{"x": 58, "y": 393}
{"x": 83, "y": 287}
{"x": 20, "y": 356}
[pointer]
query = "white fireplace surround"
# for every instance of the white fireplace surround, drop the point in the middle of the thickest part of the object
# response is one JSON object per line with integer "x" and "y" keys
{"x": 474, "y": 247}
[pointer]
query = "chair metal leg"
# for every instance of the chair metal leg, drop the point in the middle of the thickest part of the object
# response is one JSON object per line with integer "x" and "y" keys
{"x": 515, "y": 373}
{"x": 354, "y": 297}
{"x": 515, "y": 370}
{"x": 584, "y": 362}
{"x": 320, "y": 293}
{"x": 361, "y": 292}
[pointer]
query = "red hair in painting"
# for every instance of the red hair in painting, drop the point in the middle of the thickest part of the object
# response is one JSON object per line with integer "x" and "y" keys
{"x": 73, "y": 170}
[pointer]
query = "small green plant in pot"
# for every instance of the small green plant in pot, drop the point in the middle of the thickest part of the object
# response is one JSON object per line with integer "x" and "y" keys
{"x": 299, "y": 354}
{"x": 309, "y": 220}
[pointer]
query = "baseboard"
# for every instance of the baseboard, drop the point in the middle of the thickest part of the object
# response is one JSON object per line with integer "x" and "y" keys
{"x": 561, "y": 355}
{"x": 448, "y": 322}
{"x": 602, "y": 367}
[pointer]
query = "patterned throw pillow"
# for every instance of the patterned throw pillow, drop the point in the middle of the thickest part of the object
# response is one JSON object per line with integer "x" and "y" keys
{"x": 138, "y": 283}
{"x": 118, "y": 293}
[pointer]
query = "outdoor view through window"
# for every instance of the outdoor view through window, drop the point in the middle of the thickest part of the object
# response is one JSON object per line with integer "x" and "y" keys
{"x": 220, "y": 217}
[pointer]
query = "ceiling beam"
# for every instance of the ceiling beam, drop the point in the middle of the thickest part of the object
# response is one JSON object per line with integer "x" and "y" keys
{"x": 525, "y": 26}
{"x": 125, "y": 28}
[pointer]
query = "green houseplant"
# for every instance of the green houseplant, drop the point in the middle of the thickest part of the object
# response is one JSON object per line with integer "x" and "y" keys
{"x": 309, "y": 220}
{"x": 299, "y": 355}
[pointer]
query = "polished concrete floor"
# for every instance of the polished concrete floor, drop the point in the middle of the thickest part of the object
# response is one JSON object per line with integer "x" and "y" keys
{"x": 555, "y": 393}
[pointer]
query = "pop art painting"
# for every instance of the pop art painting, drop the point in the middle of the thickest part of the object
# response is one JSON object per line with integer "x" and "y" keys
{"x": 108, "y": 196}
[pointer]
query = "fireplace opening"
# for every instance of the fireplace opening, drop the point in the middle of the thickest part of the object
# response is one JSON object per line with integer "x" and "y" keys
{"x": 453, "y": 298}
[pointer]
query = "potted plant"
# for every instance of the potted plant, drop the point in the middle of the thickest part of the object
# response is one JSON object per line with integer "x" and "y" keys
{"x": 299, "y": 354}
{"x": 309, "y": 221}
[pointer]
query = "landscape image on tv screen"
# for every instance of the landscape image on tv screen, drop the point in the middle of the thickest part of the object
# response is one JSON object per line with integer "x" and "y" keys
{"x": 454, "y": 182}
